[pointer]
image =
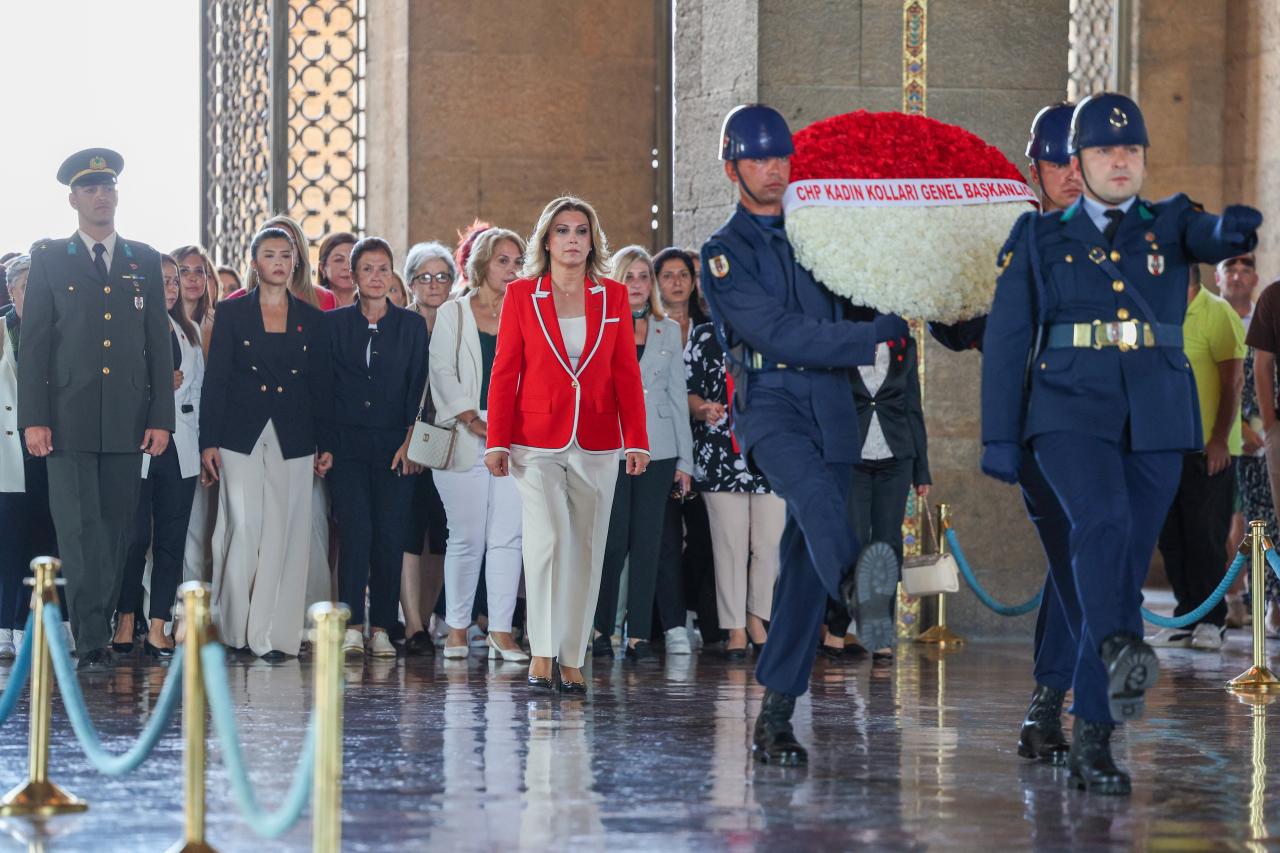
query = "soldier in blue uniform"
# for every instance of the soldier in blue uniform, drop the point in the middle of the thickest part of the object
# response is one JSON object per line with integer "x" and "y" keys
{"x": 790, "y": 346}
{"x": 1083, "y": 363}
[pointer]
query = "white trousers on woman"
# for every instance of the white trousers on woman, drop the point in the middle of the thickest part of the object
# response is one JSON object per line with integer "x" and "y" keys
{"x": 567, "y": 496}
{"x": 261, "y": 545}
{"x": 746, "y": 530}
{"x": 484, "y": 528}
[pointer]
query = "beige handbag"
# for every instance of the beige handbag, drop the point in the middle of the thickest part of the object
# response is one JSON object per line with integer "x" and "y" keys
{"x": 432, "y": 446}
{"x": 930, "y": 574}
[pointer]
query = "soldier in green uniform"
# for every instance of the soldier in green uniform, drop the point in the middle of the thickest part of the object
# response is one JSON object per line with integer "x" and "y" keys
{"x": 95, "y": 389}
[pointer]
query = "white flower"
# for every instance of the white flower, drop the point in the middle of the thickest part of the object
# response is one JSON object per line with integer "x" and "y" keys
{"x": 934, "y": 263}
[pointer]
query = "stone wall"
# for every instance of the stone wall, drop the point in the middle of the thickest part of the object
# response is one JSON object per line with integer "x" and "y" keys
{"x": 491, "y": 109}
{"x": 989, "y": 71}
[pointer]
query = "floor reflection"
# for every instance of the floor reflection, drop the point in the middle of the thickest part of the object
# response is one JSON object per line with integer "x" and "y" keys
{"x": 915, "y": 755}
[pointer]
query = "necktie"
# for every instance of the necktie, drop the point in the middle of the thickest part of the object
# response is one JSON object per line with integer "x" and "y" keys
{"x": 1113, "y": 223}
{"x": 99, "y": 260}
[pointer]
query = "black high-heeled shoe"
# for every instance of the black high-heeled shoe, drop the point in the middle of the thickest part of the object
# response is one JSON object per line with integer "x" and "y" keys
{"x": 157, "y": 652}
{"x": 121, "y": 648}
{"x": 573, "y": 688}
{"x": 542, "y": 683}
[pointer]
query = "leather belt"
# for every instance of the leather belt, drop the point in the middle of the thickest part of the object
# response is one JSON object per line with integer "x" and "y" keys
{"x": 1124, "y": 334}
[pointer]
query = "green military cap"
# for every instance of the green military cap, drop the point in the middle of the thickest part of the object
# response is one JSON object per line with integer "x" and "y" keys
{"x": 91, "y": 166}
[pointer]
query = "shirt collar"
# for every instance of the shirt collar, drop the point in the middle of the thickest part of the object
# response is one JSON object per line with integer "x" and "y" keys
{"x": 109, "y": 241}
{"x": 1097, "y": 210}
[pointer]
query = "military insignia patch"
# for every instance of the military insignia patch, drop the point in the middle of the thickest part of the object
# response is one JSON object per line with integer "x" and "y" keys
{"x": 1155, "y": 264}
{"x": 137, "y": 302}
{"x": 1097, "y": 255}
{"x": 1118, "y": 118}
{"x": 719, "y": 266}
{"x": 97, "y": 163}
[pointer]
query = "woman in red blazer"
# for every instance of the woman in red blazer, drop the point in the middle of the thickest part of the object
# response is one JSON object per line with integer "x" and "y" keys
{"x": 564, "y": 398}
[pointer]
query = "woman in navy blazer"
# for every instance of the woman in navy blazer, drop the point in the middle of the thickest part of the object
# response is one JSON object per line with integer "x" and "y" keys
{"x": 379, "y": 369}
{"x": 262, "y": 417}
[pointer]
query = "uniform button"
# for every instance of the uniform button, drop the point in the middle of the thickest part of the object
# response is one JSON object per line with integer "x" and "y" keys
{"x": 873, "y": 404}
{"x": 1043, "y": 366}
{"x": 574, "y": 383}
{"x": 279, "y": 389}
{"x": 107, "y": 344}
{"x": 8, "y": 432}
{"x": 106, "y": 316}
{"x": 246, "y": 343}
{"x": 106, "y": 370}
{"x": 1117, "y": 286}
{"x": 1122, "y": 314}
{"x": 263, "y": 388}
{"x": 106, "y": 289}
{"x": 367, "y": 404}
{"x": 253, "y": 367}
{"x": 8, "y": 408}
{"x": 1115, "y": 256}
{"x": 1069, "y": 259}
{"x": 71, "y": 288}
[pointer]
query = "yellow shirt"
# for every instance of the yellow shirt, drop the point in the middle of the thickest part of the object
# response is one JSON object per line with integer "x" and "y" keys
{"x": 1213, "y": 333}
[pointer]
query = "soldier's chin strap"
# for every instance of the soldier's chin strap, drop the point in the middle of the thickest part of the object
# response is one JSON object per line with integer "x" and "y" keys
{"x": 742, "y": 182}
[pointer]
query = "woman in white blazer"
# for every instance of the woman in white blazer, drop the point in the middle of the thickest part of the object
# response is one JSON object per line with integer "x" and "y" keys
{"x": 639, "y": 503}
{"x": 484, "y": 511}
{"x": 168, "y": 488}
{"x": 24, "y": 485}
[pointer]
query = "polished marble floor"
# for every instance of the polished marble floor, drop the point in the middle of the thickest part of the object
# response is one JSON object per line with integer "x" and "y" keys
{"x": 459, "y": 756}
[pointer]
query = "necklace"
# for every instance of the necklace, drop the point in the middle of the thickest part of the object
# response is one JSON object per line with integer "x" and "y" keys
{"x": 492, "y": 309}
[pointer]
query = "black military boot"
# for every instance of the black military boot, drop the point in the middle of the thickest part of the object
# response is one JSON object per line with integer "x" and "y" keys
{"x": 1132, "y": 669}
{"x": 868, "y": 590}
{"x": 1041, "y": 737}
{"x": 1090, "y": 762}
{"x": 774, "y": 742}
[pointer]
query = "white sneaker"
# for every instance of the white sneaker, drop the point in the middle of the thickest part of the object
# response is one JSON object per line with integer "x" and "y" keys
{"x": 1207, "y": 637}
{"x": 380, "y": 645}
{"x": 678, "y": 641}
{"x": 1170, "y": 638}
{"x": 353, "y": 642}
{"x": 7, "y": 650}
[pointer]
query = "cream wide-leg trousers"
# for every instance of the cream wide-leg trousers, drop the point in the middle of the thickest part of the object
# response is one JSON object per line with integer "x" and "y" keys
{"x": 566, "y": 496}
{"x": 261, "y": 547}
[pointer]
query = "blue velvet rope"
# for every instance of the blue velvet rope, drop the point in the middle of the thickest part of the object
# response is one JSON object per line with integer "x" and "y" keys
{"x": 73, "y": 701}
{"x": 1209, "y": 603}
{"x": 1273, "y": 560}
{"x": 264, "y": 824}
{"x": 1003, "y": 609}
{"x": 19, "y": 674}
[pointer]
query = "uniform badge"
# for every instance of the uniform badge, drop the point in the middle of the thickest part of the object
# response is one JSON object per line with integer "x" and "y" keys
{"x": 1097, "y": 255}
{"x": 719, "y": 266}
{"x": 97, "y": 163}
{"x": 1155, "y": 263}
{"x": 137, "y": 302}
{"x": 1118, "y": 118}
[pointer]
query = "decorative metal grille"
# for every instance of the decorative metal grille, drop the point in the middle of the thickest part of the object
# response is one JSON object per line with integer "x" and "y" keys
{"x": 324, "y": 174}
{"x": 1092, "y": 54}
{"x": 284, "y": 120}
{"x": 236, "y": 145}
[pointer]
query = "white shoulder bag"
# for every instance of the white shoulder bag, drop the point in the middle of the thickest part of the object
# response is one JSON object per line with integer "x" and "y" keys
{"x": 930, "y": 574}
{"x": 432, "y": 446}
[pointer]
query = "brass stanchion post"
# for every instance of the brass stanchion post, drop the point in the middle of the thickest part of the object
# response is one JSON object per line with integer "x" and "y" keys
{"x": 1257, "y": 678}
{"x": 326, "y": 805}
{"x": 940, "y": 635}
{"x": 38, "y": 797}
{"x": 195, "y": 611}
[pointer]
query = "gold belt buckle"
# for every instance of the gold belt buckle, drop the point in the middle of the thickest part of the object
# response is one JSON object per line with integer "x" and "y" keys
{"x": 1128, "y": 335}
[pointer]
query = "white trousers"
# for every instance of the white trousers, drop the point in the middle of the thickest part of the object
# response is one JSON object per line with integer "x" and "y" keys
{"x": 484, "y": 528}
{"x": 567, "y": 496}
{"x": 746, "y": 530}
{"x": 319, "y": 578}
{"x": 261, "y": 545}
{"x": 197, "y": 557}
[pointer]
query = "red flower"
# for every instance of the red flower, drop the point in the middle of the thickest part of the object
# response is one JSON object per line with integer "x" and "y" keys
{"x": 864, "y": 145}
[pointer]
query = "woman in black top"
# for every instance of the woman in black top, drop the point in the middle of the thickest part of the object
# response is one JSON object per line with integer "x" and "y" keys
{"x": 263, "y": 409}
{"x": 379, "y": 371}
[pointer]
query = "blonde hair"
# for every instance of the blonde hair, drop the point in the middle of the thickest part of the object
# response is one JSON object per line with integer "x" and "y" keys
{"x": 483, "y": 250}
{"x": 627, "y": 256}
{"x": 300, "y": 282}
{"x": 537, "y": 258}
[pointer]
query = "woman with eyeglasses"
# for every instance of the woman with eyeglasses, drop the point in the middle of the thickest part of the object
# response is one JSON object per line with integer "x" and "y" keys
{"x": 429, "y": 269}
{"x": 483, "y": 510}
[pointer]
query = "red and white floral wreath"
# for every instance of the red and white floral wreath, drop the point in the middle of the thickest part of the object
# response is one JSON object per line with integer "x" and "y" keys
{"x": 902, "y": 213}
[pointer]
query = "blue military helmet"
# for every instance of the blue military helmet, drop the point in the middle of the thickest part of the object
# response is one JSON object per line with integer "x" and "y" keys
{"x": 1051, "y": 134}
{"x": 1107, "y": 119}
{"x": 755, "y": 132}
